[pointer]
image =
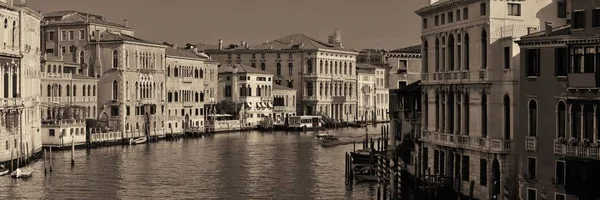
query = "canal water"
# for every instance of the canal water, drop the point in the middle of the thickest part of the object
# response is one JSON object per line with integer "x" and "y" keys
{"x": 248, "y": 165}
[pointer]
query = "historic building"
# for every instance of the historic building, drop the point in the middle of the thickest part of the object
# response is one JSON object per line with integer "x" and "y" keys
{"x": 322, "y": 73}
{"x": 20, "y": 81}
{"x": 284, "y": 106}
{"x": 382, "y": 96}
{"x": 186, "y": 72}
{"x": 404, "y": 66}
{"x": 67, "y": 99}
{"x": 68, "y": 34}
{"x": 469, "y": 82}
{"x": 131, "y": 86}
{"x": 559, "y": 138}
{"x": 365, "y": 82}
{"x": 249, "y": 87}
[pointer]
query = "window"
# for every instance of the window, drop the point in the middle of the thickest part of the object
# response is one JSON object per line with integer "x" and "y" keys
{"x": 290, "y": 84}
{"x": 467, "y": 49}
{"x": 71, "y": 49}
{"x": 482, "y": 9}
{"x": 458, "y": 15}
{"x": 561, "y": 64}
{"x": 450, "y": 17}
{"x": 278, "y": 55}
{"x": 51, "y": 133}
{"x": 81, "y": 34}
{"x": 436, "y": 161}
{"x": 424, "y": 23}
{"x": 531, "y": 194}
{"x": 533, "y": 62}
{"x": 577, "y": 57}
{"x": 82, "y": 57}
{"x": 531, "y": 168}
{"x": 71, "y": 35}
{"x": 291, "y": 69}
{"x": 559, "y": 196}
{"x": 561, "y": 172}
{"x": 309, "y": 65}
{"x": 532, "y": 118}
{"x": 507, "y": 119}
{"x": 263, "y": 66}
{"x": 436, "y": 20}
{"x": 561, "y": 9}
{"x": 63, "y": 34}
{"x": 561, "y": 124}
{"x": 443, "y": 19}
{"x": 63, "y": 49}
{"x": 115, "y": 92}
{"x": 115, "y": 58}
{"x": 465, "y": 13}
{"x": 50, "y": 36}
{"x": 465, "y": 168}
{"x": 588, "y": 65}
{"x": 425, "y": 57}
{"x": 578, "y": 19}
{"x": 484, "y": 44}
{"x": 484, "y": 116}
{"x": 514, "y": 9}
{"x": 50, "y": 51}
{"x": 507, "y": 57}
{"x": 278, "y": 69}
{"x": 437, "y": 55}
{"x": 596, "y": 17}
{"x": 483, "y": 172}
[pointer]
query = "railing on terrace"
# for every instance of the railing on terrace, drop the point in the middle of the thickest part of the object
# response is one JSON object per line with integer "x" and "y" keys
{"x": 577, "y": 150}
{"x": 530, "y": 143}
{"x": 10, "y": 102}
{"x": 111, "y": 136}
{"x": 56, "y": 75}
{"x": 465, "y": 141}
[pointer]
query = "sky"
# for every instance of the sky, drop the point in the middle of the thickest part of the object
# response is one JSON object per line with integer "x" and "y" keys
{"x": 385, "y": 24}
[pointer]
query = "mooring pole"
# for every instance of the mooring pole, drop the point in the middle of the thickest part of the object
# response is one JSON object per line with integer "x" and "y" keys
{"x": 45, "y": 162}
{"x": 73, "y": 152}
{"x": 50, "y": 158}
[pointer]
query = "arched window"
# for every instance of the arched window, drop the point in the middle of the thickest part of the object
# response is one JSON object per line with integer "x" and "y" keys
{"x": 83, "y": 91}
{"x": 576, "y": 121}
{"x": 309, "y": 65}
{"x": 451, "y": 52}
{"x": 484, "y": 116}
{"x": 321, "y": 66}
{"x": 89, "y": 90}
{"x": 49, "y": 91}
{"x": 68, "y": 90}
{"x": 437, "y": 111}
{"x": 588, "y": 121}
{"x": 94, "y": 91}
{"x": 14, "y": 33}
{"x": 115, "y": 90}
{"x": 484, "y": 43}
{"x": 115, "y": 58}
{"x": 506, "y": 117}
{"x": 345, "y": 68}
{"x": 466, "y": 48}
{"x": 5, "y": 23}
{"x": 533, "y": 123}
{"x": 467, "y": 113}
{"x": 450, "y": 106}
{"x": 561, "y": 119}
{"x": 81, "y": 57}
{"x": 425, "y": 109}
{"x": 437, "y": 55}
{"x": 74, "y": 90}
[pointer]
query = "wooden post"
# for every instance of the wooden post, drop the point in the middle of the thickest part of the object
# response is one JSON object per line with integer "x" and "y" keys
{"x": 73, "y": 151}
{"x": 45, "y": 162}
{"x": 50, "y": 158}
{"x": 11, "y": 161}
{"x": 378, "y": 193}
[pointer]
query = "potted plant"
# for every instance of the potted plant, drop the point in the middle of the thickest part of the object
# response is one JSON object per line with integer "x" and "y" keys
{"x": 596, "y": 143}
{"x": 560, "y": 140}
{"x": 586, "y": 142}
{"x": 573, "y": 141}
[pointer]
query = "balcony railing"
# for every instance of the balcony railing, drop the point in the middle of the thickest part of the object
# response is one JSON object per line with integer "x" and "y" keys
{"x": 470, "y": 142}
{"x": 56, "y": 75}
{"x": 582, "y": 80}
{"x": 267, "y": 99}
{"x": 10, "y": 102}
{"x": 531, "y": 143}
{"x": 187, "y": 79}
{"x": 576, "y": 150}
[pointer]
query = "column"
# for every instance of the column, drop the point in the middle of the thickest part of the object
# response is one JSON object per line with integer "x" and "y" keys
{"x": 2, "y": 82}
{"x": 10, "y": 81}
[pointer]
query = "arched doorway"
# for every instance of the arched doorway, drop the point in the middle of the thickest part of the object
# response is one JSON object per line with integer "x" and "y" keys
{"x": 495, "y": 179}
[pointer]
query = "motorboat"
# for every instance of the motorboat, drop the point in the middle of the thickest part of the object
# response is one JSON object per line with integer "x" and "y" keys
{"x": 139, "y": 140}
{"x": 322, "y": 135}
{"x": 24, "y": 172}
{"x": 3, "y": 170}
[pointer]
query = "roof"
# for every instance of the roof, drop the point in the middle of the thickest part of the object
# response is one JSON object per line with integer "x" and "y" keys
{"x": 201, "y": 46}
{"x": 410, "y": 49}
{"x": 72, "y": 17}
{"x": 79, "y": 76}
{"x": 183, "y": 53}
{"x": 281, "y": 87}
{"x": 240, "y": 69}
{"x": 108, "y": 36}
{"x": 295, "y": 41}
{"x": 556, "y": 31}
{"x": 365, "y": 66}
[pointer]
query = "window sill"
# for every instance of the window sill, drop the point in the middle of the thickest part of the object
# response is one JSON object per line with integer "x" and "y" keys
{"x": 561, "y": 78}
{"x": 532, "y": 78}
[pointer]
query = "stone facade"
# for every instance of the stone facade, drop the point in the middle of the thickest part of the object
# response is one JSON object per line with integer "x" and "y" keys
{"x": 322, "y": 73}
{"x": 20, "y": 79}
{"x": 283, "y": 103}
{"x": 469, "y": 93}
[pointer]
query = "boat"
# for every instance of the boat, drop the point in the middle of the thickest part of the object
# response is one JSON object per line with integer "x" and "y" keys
{"x": 139, "y": 140}
{"x": 321, "y": 135}
{"x": 3, "y": 170}
{"x": 24, "y": 172}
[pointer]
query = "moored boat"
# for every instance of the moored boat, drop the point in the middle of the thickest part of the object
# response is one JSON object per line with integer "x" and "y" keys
{"x": 24, "y": 172}
{"x": 3, "y": 170}
{"x": 139, "y": 140}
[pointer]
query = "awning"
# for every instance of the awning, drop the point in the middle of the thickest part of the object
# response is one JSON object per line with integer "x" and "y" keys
{"x": 249, "y": 104}
{"x": 270, "y": 105}
{"x": 259, "y": 105}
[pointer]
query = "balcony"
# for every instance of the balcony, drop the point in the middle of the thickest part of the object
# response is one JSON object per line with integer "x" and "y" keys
{"x": 577, "y": 150}
{"x": 187, "y": 79}
{"x": 582, "y": 80}
{"x": 468, "y": 142}
{"x": 11, "y": 102}
{"x": 412, "y": 115}
{"x": 56, "y": 75}
{"x": 266, "y": 99}
{"x": 531, "y": 143}
{"x": 283, "y": 109}
{"x": 316, "y": 75}
{"x": 312, "y": 98}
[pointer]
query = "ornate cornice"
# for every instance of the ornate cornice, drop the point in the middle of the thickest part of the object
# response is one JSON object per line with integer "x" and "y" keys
{"x": 442, "y": 6}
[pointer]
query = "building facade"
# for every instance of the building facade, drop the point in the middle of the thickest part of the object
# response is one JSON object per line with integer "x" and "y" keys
{"x": 382, "y": 96}
{"x": 186, "y": 72}
{"x": 469, "y": 82}
{"x": 365, "y": 76}
{"x": 404, "y": 66}
{"x": 67, "y": 99}
{"x": 131, "y": 86}
{"x": 284, "y": 99}
{"x": 322, "y": 73}
{"x": 560, "y": 160}
{"x": 20, "y": 92}
{"x": 249, "y": 87}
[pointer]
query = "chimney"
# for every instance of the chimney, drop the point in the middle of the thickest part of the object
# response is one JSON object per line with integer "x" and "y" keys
{"x": 267, "y": 40}
{"x": 174, "y": 46}
{"x": 548, "y": 28}
{"x": 220, "y": 44}
{"x": 302, "y": 45}
{"x": 126, "y": 23}
{"x": 97, "y": 34}
{"x": 432, "y": 1}
{"x": 242, "y": 44}
{"x": 530, "y": 30}
{"x": 195, "y": 50}
{"x": 246, "y": 45}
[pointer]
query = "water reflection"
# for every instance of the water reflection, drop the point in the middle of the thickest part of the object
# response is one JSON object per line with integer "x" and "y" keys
{"x": 275, "y": 165}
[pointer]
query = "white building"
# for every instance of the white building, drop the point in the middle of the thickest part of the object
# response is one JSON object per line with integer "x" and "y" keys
{"x": 249, "y": 87}
{"x": 365, "y": 74}
{"x": 382, "y": 96}
{"x": 284, "y": 103}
